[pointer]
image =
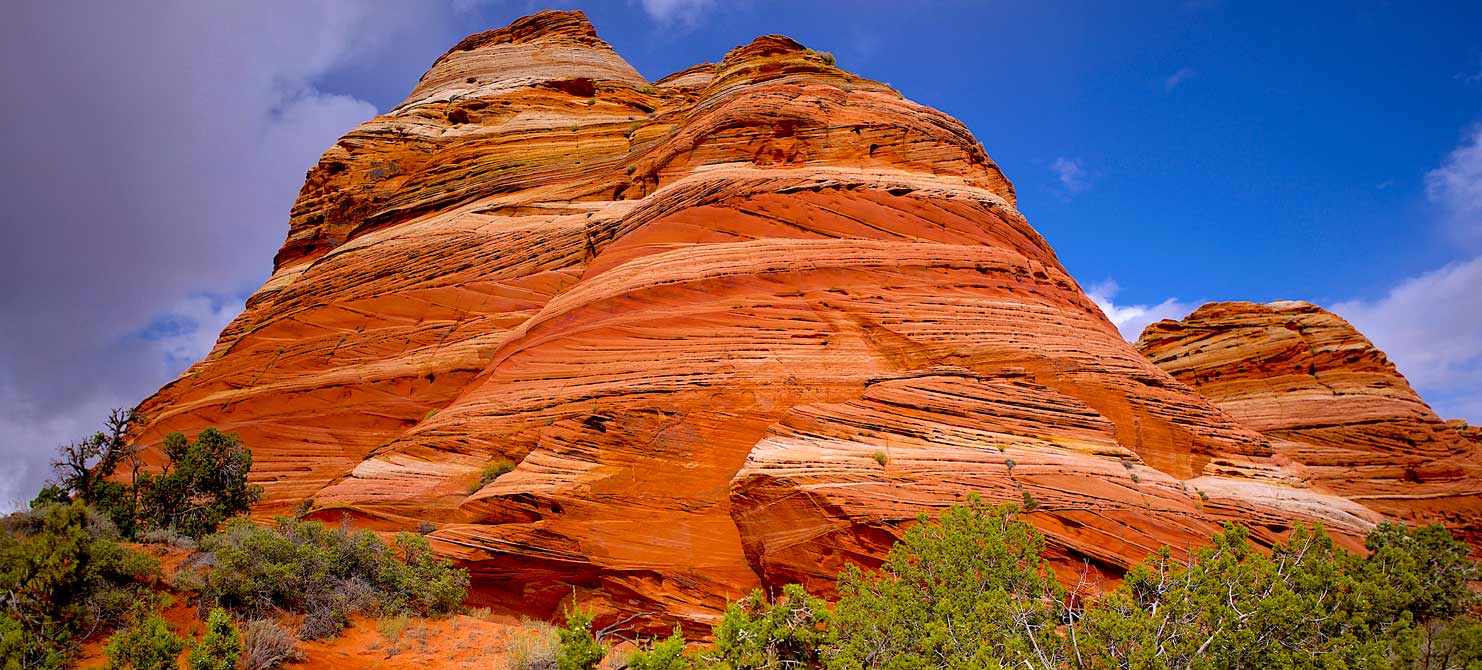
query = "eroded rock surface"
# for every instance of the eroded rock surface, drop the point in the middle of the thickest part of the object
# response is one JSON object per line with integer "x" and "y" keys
{"x": 1330, "y": 402}
{"x": 733, "y": 328}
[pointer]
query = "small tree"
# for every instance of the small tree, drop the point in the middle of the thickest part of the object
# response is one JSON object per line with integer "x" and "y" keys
{"x": 579, "y": 647}
{"x": 146, "y": 645}
{"x": 666, "y": 655}
{"x": 220, "y": 647}
{"x": 203, "y": 483}
{"x": 83, "y": 470}
{"x": 1231, "y": 605}
{"x": 968, "y": 591}
{"x": 792, "y": 631}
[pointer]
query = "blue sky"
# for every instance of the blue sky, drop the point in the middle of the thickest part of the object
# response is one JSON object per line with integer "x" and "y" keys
{"x": 1173, "y": 153}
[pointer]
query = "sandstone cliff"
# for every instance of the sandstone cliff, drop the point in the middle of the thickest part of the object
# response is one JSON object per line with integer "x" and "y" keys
{"x": 733, "y": 327}
{"x": 1330, "y": 402}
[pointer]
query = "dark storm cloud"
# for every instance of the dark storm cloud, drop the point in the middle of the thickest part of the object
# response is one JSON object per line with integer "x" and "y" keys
{"x": 149, "y": 154}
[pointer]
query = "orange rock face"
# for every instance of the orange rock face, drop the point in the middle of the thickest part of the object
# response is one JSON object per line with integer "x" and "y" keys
{"x": 1331, "y": 403}
{"x": 732, "y": 328}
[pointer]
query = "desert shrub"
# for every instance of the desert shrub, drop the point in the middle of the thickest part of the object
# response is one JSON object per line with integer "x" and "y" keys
{"x": 1231, "y": 605}
{"x": 203, "y": 483}
{"x": 490, "y": 473}
{"x": 62, "y": 575}
{"x": 534, "y": 646}
{"x": 327, "y": 574}
{"x": 968, "y": 590}
{"x": 668, "y": 654}
{"x": 579, "y": 648}
{"x": 267, "y": 645}
{"x": 220, "y": 647}
{"x": 790, "y": 631}
{"x": 1423, "y": 571}
{"x": 881, "y": 457}
{"x": 147, "y": 644}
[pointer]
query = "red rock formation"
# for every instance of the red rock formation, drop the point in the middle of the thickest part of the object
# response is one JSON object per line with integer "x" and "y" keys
{"x": 1331, "y": 402}
{"x": 733, "y": 327}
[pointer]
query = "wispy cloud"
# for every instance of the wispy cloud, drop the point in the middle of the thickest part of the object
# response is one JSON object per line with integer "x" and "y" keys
{"x": 1072, "y": 174}
{"x": 1456, "y": 187}
{"x": 1182, "y": 75}
{"x": 687, "y": 13}
{"x": 1430, "y": 325}
{"x": 1472, "y": 76}
{"x": 1131, "y": 319}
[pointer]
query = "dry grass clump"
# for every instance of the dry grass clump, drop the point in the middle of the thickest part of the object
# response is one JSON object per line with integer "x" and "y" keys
{"x": 533, "y": 646}
{"x": 267, "y": 645}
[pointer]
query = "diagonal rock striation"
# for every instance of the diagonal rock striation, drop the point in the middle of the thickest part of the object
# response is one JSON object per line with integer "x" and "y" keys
{"x": 1331, "y": 403}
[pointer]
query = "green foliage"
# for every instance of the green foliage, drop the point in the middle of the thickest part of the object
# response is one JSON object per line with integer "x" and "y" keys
{"x": 968, "y": 591}
{"x": 666, "y": 655}
{"x": 1454, "y": 644}
{"x": 327, "y": 574}
{"x": 63, "y": 574}
{"x": 220, "y": 647}
{"x": 791, "y": 631}
{"x": 490, "y": 473}
{"x": 204, "y": 483}
{"x": 579, "y": 648}
{"x": 147, "y": 644}
{"x": 1233, "y": 606}
{"x": 1423, "y": 571}
{"x": 881, "y": 457}
{"x": 972, "y": 590}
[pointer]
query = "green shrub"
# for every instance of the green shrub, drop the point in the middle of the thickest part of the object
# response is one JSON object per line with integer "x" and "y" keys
{"x": 666, "y": 655}
{"x": 490, "y": 473}
{"x": 327, "y": 574}
{"x": 220, "y": 647}
{"x": 62, "y": 574}
{"x": 880, "y": 457}
{"x": 968, "y": 590}
{"x": 147, "y": 644}
{"x": 1233, "y": 606}
{"x": 791, "y": 631}
{"x": 1424, "y": 571}
{"x": 579, "y": 648}
{"x": 203, "y": 484}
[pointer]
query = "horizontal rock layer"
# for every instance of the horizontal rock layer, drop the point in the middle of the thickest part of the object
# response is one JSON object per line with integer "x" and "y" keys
{"x": 732, "y": 328}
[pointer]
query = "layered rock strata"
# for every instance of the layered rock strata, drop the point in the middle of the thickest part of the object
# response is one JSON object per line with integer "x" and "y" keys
{"x": 733, "y": 328}
{"x": 1332, "y": 404}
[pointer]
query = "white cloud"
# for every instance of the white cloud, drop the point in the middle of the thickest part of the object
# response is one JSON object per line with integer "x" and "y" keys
{"x": 1456, "y": 187}
{"x": 677, "y": 12}
{"x": 1131, "y": 319}
{"x": 1430, "y": 326}
{"x": 1072, "y": 174}
{"x": 1182, "y": 75}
